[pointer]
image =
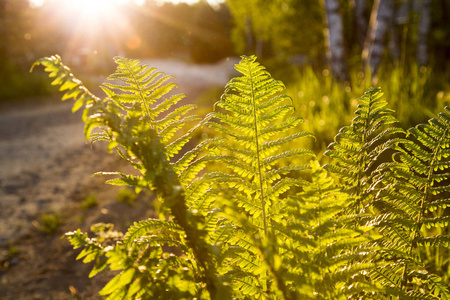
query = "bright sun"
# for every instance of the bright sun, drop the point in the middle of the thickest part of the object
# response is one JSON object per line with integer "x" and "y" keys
{"x": 91, "y": 10}
{"x": 99, "y": 6}
{"x": 99, "y": 26}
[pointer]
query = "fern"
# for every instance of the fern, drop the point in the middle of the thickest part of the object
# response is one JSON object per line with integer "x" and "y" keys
{"x": 247, "y": 214}
{"x": 416, "y": 193}
{"x": 319, "y": 245}
{"x": 253, "y": 117}
{"x": 254, "y": 112}
{"x": 130, "y": 120}
{"x": 357, "y": 148}
{"x": 395, "y": 192}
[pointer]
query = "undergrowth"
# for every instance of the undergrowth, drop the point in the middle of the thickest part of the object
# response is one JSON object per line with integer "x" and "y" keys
{"x": 326, "y": 105}
{"x": 248, "y": 212}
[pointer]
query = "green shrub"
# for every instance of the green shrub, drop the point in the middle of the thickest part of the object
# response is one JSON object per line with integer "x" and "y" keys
{"x": 249, "y": 213}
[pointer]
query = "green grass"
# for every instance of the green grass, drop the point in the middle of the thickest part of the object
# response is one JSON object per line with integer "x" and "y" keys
{"x": 326, "y": 105}
{"x": 49, "y": 223}
{"x": 90, "y": 202}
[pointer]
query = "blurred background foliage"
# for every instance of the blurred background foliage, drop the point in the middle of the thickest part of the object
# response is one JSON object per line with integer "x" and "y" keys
{"x": 293, "y": 38}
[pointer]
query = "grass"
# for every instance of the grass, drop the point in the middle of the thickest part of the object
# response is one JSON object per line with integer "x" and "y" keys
{"x": 327, "y": 105}
{"x": 415, "y": 93}
{"x": 49, "y": 223}
{"x": 89, "y": 202}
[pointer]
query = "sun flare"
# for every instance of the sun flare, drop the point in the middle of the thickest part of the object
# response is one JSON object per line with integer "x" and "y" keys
{"x": 92, "y": 10}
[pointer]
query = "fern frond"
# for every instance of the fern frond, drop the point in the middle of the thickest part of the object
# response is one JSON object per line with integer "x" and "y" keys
{"x": 332, "y": 247}
{"x": 254, "y": 110}
{"x": 67, "y": 81}
{"x": 143, "y": 228}
{"x": 131, "y": 120}
{"x": 357, "y": 147}
{"x": 414, "y": 184}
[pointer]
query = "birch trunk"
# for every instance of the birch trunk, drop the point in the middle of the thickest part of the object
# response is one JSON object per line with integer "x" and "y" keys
{"x": 335, "y": 40}
{"x": 424, "y": 28}
{"x": 380, "y": 20}
{"x": 359, "y": 9}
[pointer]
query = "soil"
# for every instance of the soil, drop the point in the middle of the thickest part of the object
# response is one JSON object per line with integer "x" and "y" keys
{"x": 45, "y": 169}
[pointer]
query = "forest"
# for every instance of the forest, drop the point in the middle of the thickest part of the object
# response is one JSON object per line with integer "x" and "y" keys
{"x": 320, "y": 170}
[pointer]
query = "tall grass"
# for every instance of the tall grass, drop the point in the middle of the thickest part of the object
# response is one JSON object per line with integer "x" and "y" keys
{"x": 327, "y": 105}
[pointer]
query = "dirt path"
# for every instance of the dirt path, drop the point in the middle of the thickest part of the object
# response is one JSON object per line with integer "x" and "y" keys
{"x": 45, "y": 168}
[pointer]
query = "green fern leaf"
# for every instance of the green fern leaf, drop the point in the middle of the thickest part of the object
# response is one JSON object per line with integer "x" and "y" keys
{"x": 357, "y": 147}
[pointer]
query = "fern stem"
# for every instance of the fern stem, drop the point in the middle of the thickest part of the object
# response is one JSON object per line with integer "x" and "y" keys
{"x": 255, "y": 125}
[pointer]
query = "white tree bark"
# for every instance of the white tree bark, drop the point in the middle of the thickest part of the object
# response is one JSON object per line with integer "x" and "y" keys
{"x": 335, "y": 39}
{"x": 380, "y": 21}
{"x": 424, "y": 28}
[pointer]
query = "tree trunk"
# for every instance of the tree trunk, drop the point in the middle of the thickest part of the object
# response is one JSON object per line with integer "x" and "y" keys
{"x": 335, "y": 40}
{"x": 380, "y": 20}
{"x": 424, "y": 28}
{"x": 359, "y": 8}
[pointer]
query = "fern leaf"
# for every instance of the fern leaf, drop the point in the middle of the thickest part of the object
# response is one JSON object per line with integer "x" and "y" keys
{"x": 131, "y": 120}
{"x": 142, "y": 228}
{"x": 357, "y": 147}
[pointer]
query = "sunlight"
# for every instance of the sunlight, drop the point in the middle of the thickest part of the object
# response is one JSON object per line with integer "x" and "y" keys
{"x": 100, "y": 6}
{"x": 91, "y": 10}
{"x": 212, "y": 2}
{"x": 103, "y": 28}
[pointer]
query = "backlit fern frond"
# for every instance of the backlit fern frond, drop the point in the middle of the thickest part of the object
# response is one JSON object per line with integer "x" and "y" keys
{"x": 73, "y": 88}
{"x": 253, "y": 116}
{"x": 94, "y": 249}
{"x": 142, "y": 94}
{"x": 415, "y": 195}
{"x": 138, "y": 265}
{"x": 137, "y": 119}
{"x": 328, "y": 253}
{"x": 253, "y": 112}
{"x": 357, "y": 147}
{"x": 160, "y": 229}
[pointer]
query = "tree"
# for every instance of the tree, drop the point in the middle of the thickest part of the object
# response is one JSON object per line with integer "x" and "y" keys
{"x": 380, "y": 20}
{"x": 335, "y": 40}
{"x": 208, "y": 41}
{"x": 279, "y": 26}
